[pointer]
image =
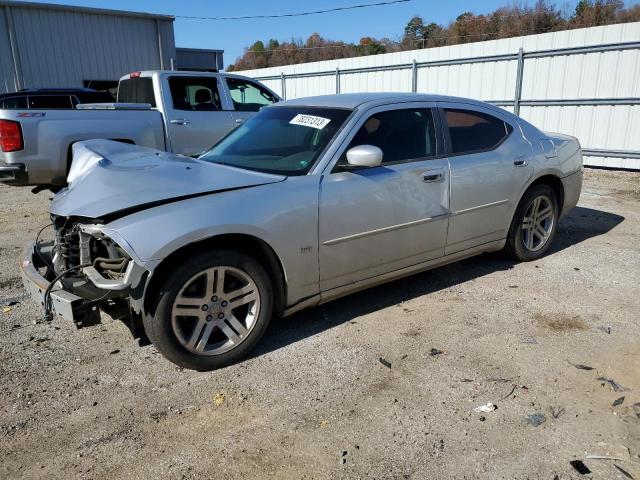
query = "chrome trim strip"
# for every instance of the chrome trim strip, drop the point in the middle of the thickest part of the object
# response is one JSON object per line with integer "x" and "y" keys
{"x": 385, "y": 229}
{"x": 479, "y": 207}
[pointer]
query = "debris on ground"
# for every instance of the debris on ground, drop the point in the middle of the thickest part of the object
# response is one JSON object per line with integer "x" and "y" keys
{"x": 556, "y": 411}
{"x": 614, "y": 385}
{"x": 218, "y": 399}
{"x": 10, "y": 303}
{"x": 513, "y": 389}
{"x": 384, "y": 362}
{"x": 606, "y": 329}
{"x": 580, "y": 366}
{"x": 617, "y": 401}
{"x": 6, "y": 309}
{"x": 603, "y": 457}
{"x": 535, "y": 419}
{"x": 434, "y": 351}
{"x": 580, "y": 467}
{"x": 529, "y": 340}
{"x": 623, "y": 471}
{"x": 489, "y": 407}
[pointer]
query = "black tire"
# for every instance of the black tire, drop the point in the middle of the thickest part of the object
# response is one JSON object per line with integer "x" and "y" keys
{"x": 515, "y": 245}
{"x": 159, "y": 327}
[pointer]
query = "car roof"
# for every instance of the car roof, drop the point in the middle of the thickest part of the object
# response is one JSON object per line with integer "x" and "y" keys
{"x": 355, "y": 100}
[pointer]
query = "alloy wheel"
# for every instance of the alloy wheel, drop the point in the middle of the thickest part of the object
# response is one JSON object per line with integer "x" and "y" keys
{"x": 215, "y": 310}
{"x": 538, "y": 223}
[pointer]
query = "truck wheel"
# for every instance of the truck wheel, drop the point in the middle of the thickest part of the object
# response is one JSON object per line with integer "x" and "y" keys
{"x": 211, "y": 311}
{"x": 534, "y": 224}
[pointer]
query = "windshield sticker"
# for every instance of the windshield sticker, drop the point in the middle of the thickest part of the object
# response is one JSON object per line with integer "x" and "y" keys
{"x": 310, "y": 121}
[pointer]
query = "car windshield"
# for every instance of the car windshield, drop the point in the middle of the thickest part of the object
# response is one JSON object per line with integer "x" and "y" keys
{"x": 281, "y": 140}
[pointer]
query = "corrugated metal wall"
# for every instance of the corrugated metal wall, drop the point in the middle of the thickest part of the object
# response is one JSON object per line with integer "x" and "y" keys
{"x": 613, "y": 74}
{"x": 61, "y": 48}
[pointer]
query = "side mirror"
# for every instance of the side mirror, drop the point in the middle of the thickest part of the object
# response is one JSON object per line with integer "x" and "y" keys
{"x": 364, "y": 156}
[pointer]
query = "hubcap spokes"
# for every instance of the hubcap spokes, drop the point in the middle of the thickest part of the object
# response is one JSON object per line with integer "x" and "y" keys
{"x": 215, "y": 310}
{"x": 537, "y": 224}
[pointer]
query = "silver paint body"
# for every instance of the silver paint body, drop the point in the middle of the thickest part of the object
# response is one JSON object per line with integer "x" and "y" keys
{"x": 49, "y": 134}
{"x": 333, "y": 233}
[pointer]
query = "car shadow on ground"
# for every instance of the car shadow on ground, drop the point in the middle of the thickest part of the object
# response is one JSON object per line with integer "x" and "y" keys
{"x": 580, "y": 225}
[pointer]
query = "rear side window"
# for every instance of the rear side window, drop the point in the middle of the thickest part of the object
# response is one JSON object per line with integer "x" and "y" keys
{"x": 247, "y": 96}
{"x": 195, "y": 93}
{"x": 14, "y": 102}
{"x": 473, "y": 131}
{"x": 50, "y": 101}
{"x": 136, "y": 90}
{"x": 400, "y": 134}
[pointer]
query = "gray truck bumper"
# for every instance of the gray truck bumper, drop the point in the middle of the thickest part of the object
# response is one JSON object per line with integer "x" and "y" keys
{"x": 69, "y": 306}
{"x": 13, "y": 174}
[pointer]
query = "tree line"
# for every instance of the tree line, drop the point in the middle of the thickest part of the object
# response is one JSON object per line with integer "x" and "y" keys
{"x": 504, "y": 22}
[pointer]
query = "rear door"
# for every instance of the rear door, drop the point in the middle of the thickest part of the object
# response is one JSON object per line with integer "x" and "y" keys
{"x": 196, "y": 115}
{"x": 247, "y": 98}
{"x": 381, "y": 219}
{"x": 490, "y": 165}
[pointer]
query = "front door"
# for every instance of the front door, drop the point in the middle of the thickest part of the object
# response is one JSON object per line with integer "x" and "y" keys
{"x": 195, "y": 115}
{"x": 377, "y": 220}
{"x": 490, "y": 165}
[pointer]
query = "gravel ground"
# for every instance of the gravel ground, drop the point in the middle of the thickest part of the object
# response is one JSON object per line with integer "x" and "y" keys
{"x": 381, "y": 384}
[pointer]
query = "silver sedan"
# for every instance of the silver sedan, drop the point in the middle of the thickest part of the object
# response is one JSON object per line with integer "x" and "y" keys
{"x": 309, "y": 200}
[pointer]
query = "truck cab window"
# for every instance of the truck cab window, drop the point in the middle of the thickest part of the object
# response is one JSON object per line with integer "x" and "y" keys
{"x": 195, "y": 93}
{"x": 50, "y": 101}
{"x": 247, "y": 96}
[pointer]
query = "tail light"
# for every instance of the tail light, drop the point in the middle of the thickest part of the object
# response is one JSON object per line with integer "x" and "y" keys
{"x": 10, "y": 136}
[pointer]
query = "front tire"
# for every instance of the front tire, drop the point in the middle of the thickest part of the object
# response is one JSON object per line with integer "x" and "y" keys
{"x": 211, "y": 311}
{"x": 534, "y": 224}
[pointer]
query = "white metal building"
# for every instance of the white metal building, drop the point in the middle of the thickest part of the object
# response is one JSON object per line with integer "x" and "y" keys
{"x": 583, "y": 82}
{"x": 46, "y": 45}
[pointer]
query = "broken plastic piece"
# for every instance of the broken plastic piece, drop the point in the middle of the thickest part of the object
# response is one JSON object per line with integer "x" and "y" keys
{"x": 580, "y": 467}
{"x": 489, "y": 407}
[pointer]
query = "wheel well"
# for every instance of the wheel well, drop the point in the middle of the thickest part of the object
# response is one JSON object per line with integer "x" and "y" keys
{"x": 555, "y": 184}
{"x": 247, "y": 244}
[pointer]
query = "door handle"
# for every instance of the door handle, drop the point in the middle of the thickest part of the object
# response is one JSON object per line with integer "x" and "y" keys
{"x": 239, "y": 120}
{"x": 520, "y": 161}
{"x": 180, "y": 121}
{"x": 430, "y": 177}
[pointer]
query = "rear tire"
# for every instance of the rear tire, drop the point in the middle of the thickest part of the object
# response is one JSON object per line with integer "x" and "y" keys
{"x": 534, "y": 224}
{"x": 201, "y": 322}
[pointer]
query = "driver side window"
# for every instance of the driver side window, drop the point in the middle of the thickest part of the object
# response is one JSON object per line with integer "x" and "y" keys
{"x": 402, "y": 135}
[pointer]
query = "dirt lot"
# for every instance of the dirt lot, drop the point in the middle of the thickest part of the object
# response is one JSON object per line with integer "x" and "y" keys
{"x": 316, "y": 401}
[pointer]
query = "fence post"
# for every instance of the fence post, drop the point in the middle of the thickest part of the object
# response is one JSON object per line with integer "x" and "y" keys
{"x": 283, "y": 86}
{"x": 414, "y": 76}
{"x": 518, "y": 95}
{"x": 337, "y": 80}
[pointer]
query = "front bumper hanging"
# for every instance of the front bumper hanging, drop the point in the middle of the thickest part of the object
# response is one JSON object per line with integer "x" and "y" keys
{"x": 80, "y": 311}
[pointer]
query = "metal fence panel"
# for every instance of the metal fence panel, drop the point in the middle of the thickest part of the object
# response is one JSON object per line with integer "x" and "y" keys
{"x": 583, "y": 82}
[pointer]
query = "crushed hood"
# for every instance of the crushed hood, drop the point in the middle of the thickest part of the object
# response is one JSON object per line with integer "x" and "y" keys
{"x": 107, "y": 177}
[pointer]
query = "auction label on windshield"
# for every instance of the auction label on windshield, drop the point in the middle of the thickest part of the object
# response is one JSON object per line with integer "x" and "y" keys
{"x": 310, "y": 121}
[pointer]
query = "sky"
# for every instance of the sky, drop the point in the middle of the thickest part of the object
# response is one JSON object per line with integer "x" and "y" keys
{"x": 233, "y": 36}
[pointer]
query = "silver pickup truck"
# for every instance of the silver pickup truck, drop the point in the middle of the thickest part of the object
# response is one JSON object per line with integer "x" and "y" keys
{"x": 179, "y": 112}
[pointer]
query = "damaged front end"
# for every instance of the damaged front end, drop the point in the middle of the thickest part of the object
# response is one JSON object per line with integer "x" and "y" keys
{"x": 81, "y": 272}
